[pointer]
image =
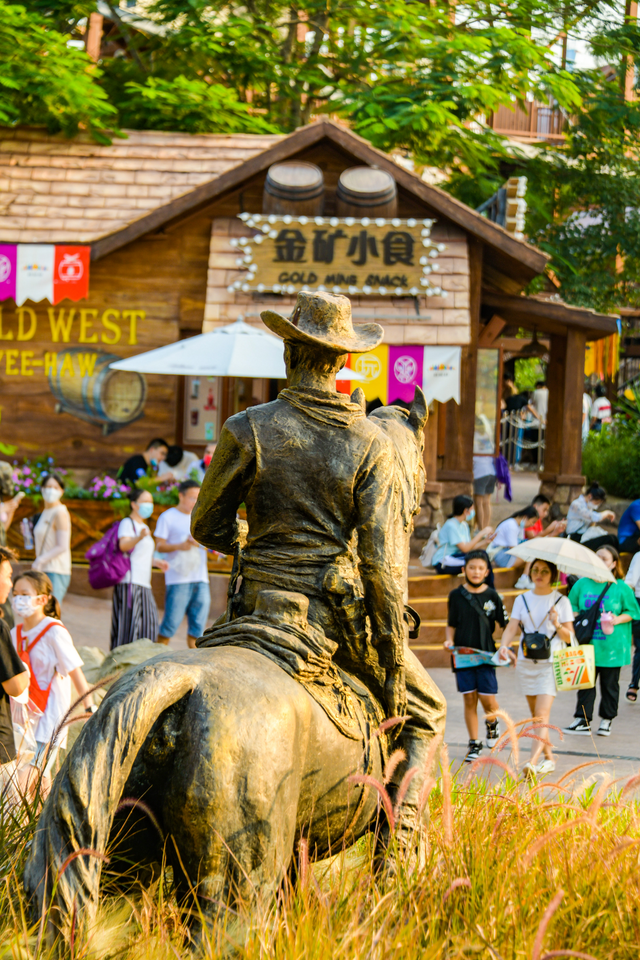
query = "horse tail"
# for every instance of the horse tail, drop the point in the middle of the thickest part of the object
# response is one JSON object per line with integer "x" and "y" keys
{"x": 62, "y": 874}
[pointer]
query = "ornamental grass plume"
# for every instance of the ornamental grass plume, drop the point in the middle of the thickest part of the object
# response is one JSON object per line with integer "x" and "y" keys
{"x": 511, "y": 871}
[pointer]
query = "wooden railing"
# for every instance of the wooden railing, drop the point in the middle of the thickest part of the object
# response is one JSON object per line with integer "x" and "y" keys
{"x": 539, "y": 122}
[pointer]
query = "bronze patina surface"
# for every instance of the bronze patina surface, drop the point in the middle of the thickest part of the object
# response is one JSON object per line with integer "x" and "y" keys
{"x": 247, "y": 744}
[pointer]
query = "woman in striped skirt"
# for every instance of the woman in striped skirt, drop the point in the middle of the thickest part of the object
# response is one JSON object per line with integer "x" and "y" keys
{"x": 135, "y": 614}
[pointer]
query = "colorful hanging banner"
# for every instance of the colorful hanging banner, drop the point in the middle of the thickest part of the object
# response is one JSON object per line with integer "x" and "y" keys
{"x": 405, "y": 372}
{"x": 441, "y": 374}
{"x": 43, "y": 271}
{"x": 392, "y": 373}
{"x": 374, "y": 367}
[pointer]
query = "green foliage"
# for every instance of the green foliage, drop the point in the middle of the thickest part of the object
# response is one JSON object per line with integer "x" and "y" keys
{"x": 45, "y": 81}
{"x": 611, "y": 458}
{"x": 529, "y": 371}
{"x": 187, "y": 104}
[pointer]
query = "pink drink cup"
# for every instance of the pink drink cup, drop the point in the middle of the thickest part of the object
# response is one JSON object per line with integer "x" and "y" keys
{"x": 606, "y": 623}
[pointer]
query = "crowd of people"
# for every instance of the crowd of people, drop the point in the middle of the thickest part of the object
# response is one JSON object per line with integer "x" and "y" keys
{"x": 542, "y": 611}
{"x": 39, "y": 654}
{"x": 40, "y": 667}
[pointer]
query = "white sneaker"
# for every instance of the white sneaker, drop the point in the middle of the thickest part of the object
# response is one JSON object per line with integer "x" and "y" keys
{"x": 493, "y": 733}
{"x": 579, "y": 727}
{"x": 524, "y": 582}
{"x": 547, "y": 766}
{"x": 604, "y": 730}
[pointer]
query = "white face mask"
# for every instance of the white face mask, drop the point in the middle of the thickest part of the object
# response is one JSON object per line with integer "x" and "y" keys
{"x": 51, "y": 494}
{"x": 24, "y": 606}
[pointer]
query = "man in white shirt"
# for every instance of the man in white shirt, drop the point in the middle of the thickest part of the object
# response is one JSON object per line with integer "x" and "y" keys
{"x": 586, "y": 415}
{"x": 541, "y": 399}
{"x": 187, "y": 579}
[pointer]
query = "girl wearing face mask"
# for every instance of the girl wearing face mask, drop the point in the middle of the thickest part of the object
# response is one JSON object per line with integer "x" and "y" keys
{"x": 509, "y": 534}
{"x": 135, "y": 614}
{"x": 455, "y": 538}
{"x": 46, "y": 646}
{"x": 52, "y": 535}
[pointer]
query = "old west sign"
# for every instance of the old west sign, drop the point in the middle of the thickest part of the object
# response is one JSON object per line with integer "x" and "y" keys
{"x": 380, "y": 257}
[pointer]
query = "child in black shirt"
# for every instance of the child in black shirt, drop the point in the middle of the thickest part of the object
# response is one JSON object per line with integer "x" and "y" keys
{"x": 474, "y": 610}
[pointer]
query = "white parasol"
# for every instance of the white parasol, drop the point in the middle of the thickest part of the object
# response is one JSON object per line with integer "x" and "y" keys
{"x": 568, "y": 556}
{"x": 237, "y": 350}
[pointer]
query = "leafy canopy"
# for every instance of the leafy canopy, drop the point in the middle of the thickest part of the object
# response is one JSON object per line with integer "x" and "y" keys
{"x": 45, "y": 81}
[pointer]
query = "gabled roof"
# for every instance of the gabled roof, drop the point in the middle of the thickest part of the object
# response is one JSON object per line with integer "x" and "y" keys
{"x": 56, "y": 190}
{"x": 526, "y": 259}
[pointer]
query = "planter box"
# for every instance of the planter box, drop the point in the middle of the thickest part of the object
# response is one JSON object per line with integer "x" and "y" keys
{"x": 90, "y": 519}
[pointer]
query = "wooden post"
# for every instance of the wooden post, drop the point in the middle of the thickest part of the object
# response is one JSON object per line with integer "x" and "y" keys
{"x": 456, "y": 471}
{"x": 562, "y": 477}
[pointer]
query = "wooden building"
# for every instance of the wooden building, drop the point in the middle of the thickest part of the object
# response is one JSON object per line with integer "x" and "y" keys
{"x": 161, "y": 214}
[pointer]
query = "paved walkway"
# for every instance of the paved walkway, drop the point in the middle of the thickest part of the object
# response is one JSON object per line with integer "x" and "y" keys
{"x": 89, "y": 620}
{"x": 618, "y": 754}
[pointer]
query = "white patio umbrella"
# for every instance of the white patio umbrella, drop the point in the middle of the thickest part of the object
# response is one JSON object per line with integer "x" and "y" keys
{"x": 568, "y": 556}
{"x": 238, "y": 350}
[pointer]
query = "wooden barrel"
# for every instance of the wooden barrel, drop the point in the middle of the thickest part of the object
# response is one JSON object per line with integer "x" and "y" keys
{"x": 366, "y": 192}
{"x": 294, "y": 187}
{"x": 93, "y": 392}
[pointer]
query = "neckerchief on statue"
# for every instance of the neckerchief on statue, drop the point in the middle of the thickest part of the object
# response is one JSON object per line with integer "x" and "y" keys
{"x": 334, "y": 409}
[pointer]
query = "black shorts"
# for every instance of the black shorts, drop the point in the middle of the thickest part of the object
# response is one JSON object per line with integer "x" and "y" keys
{"x": 484, "y": 485}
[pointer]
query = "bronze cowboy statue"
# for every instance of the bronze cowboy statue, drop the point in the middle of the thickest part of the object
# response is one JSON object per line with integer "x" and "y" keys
{"x": 248, "y": 743}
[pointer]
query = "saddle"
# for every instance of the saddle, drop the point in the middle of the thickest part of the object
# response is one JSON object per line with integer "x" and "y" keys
{"x": 279, "y": 629}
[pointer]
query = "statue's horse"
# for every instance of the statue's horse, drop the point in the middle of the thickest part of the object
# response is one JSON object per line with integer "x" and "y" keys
{"x": 232, "y": 757}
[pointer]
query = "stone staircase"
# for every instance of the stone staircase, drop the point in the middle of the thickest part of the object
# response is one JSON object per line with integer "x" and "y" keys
{"x": 428, "y": 595}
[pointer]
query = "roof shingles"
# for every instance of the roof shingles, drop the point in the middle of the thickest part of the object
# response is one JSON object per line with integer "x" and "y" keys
{"x": 54, "y": 190}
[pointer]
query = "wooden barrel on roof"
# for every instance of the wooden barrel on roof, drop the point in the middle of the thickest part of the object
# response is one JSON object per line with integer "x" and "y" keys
{"x": 294, "y": 187}
{"x": 85, "y": 387}
{"x": 366, "y": 192}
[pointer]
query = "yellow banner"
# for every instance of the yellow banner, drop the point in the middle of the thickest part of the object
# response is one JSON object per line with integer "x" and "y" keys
{"x": 374, "y": 367}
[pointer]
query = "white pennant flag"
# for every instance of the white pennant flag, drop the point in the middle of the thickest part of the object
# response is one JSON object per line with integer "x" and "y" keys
{"x": 441, "y": 374}
{"x": 34, "y": 279}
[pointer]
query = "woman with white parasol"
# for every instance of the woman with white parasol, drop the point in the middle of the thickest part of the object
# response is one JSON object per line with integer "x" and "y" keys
{"x": 545, "y": 611}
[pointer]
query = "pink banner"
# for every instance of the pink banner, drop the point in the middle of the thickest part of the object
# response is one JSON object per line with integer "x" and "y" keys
{"x": 405, "y": 372}
{"x": 8, "y": 270}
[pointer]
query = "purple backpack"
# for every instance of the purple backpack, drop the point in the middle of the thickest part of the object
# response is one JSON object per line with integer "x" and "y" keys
{"x": 107, "y": 563}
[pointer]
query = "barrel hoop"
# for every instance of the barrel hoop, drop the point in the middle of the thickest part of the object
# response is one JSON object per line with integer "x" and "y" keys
{"x": 293, "y": 193}
{"x": 366, "y": 200}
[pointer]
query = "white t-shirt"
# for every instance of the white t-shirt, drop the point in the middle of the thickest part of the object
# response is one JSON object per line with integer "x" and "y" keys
{"x": 508, "y": 534}
{"x": 182, "y": 470}
{"x": 633, "y": 574}
{"x": 601, "y": 409}
{"x": 141, "y": 555}
{"x": 185, "y": 566}
{"x": 52, "y": 659}
{"x": 537, "y": 621}
{"x": 483, "y": 467}
{"x": 541, "y": 401}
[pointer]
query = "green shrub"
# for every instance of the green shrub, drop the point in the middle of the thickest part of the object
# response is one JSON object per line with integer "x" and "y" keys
{"x": 613, "y": 458}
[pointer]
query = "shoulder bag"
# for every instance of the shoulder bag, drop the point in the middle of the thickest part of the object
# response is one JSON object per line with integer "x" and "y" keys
{"x": 536, "y": 645}
{"x": 585, "y": 621}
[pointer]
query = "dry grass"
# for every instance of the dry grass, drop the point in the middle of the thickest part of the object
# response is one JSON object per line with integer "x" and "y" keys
{"x": 512, "y": 871}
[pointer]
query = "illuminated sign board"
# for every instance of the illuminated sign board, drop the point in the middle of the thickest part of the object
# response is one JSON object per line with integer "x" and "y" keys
{"x": 341, "y": 255}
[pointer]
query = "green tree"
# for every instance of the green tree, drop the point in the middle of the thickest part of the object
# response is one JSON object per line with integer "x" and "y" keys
{"x": 45, "y": 81}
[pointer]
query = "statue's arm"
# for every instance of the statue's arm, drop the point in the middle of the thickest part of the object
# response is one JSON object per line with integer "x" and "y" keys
{"x": 225, "y": 486}
{"x": 383, "y": 592}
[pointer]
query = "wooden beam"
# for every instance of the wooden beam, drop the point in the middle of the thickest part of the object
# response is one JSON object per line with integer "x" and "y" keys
{"x": 523, "y": 257}
{"x": 491, "y": 330}
{"x": 549, "y": 315}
